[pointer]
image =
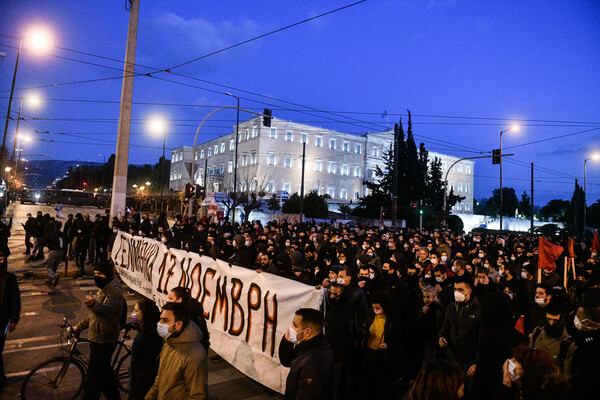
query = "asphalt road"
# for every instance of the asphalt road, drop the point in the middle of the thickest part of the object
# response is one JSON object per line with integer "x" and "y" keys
{"x": 43, "y": 307}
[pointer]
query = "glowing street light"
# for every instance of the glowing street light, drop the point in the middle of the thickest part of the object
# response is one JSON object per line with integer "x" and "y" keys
{"x": 158, "y": 125}
{"x": 595, "y": 156}
{"x": 512, "y": 128}
{"x": 39, "y": 40}
{"x": 33, "y": 100}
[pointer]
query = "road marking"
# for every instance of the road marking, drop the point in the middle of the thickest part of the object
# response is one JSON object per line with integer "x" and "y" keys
{"x": 48, "y": 346}
{"x": 30, "y": 314}
{"x": 29, "y": 340}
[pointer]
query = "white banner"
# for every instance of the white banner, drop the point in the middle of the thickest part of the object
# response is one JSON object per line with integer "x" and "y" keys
{"x": 247, "y": 313}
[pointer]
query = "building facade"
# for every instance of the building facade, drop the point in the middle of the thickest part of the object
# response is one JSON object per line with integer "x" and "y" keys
{"x": 270, "y": 159}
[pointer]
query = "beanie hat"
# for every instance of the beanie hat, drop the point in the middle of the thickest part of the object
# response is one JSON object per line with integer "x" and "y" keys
{"x": 105, "y": 268}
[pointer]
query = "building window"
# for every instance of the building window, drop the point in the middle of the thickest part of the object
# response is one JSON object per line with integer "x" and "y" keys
{"x": 221, "y": 169}
{"x": 214, "y": 169}
{"x": 344, "y": 194}
{"x": 210, "y": 151}
{"x": 231, "y": 144}
{"x": 202, "y": 154}
{"x": 346, "y": 146}
{"x": 216, "y": 149}
{"x": 253, "y": 158}
{"x": 271, "y": 158}
{"x": 468, "y": 187}
{"x": 451, "y": 185}
{"x": 304, "y": 138}
{"x": 373, "y": 173}
{"x": 345, "y": 169}
{"x": 331, "y": 168}
{"x": 318, "y": 165}
{"x": 254, "y": 131}
{"x": 467, "y": 207}
{"x": 287, "y": 161}
{"x": 330, "y": 192}
{"x": 460, "y": 168}
{"x": 319, "y": 141}
{"x": 243, "y": 186}
{"x": 286, "y": 187}
{"x": 179, "y": 175}
{"x": 171, "y": 177}
{"x": 246, "y": 134}
{"x": 375, "y": 151}
{"x": 273, "y": 133}
{"x": 358, "y": 148}
{"x": 244, "y": 160}
{"x": 356, "y": 195}
{"x": 288, "y": 136}
{"x": 332, "y": 144}
{"x": 443, "y": 165}
{"x": 468, "y": 170}
{"x": 357, "y": 171}
{"x": 223, "y": 147}
{"x": 230, "y": 167}
{"x": 270, "y": 186}
{"x": 460, "y": 186}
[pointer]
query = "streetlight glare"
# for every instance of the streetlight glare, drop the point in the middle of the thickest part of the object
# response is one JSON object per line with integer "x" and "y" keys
{"x": 596, "y": 156}
{"x": 33, "y": 100}
{"x": 39, "y": 39}
{"x": 157, "y": 125}
{"x": 514, "y": 128}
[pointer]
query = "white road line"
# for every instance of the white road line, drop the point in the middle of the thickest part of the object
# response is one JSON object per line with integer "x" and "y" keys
{"x": 29, "y": 340}
{"x": 30, "y": 314}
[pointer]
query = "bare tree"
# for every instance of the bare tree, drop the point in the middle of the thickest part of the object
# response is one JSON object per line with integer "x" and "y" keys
{"x": 253, "y": 183}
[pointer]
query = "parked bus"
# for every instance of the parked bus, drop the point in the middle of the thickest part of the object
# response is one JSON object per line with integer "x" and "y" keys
{"x": 67, "y": 196}
{"x": 29, "y": 196}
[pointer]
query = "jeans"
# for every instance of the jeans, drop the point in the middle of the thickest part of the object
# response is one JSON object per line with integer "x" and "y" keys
{"x": 54, "y": 258}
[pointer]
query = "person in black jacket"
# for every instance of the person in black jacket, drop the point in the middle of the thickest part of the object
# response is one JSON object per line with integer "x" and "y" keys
{"x": 338, "y": 334}
{"x": 10, "y": 308}
{"x": 305, "y": 350}
{"x": 29, "y": 227}
{"x": 145, "y": 349}
{"x": 56, "y": 241}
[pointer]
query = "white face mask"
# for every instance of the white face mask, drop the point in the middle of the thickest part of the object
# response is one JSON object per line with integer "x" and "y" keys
{"x": 454, "y": 269}
{"x": 163, "y": 330}
{"x": 577, "y": 323}
{"x": 459, "y": 297}
{"x": 444, "y": 258}
{"x": 434, "y": 261}
{"x": 501, "y": 273}
{"x": 115, "y": 230}
{"x": 510, "y": 295}
{"x": 523, "y": 274}
{"x": 163, "y": 239}
{"x": 439, "y": 279}
{"x": 480, "y": 255}
{"x": 294, "y": 335}
{"x": 513, "y": 258}
{"x": 341, "y": 281}
{"x": 247, "y": 243}
{"x": 371, "y": 276}
{"x": 539, "y": 302}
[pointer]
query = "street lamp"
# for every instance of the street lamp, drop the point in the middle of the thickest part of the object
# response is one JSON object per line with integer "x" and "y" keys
{"x": 593, "y": 157}
{"x": 34, "y": 101}
{"x": 157, "y": 126}
{"x": 39, "y": 41}
{"x": 235, "y": 156}
{"x": 513, "y": 128}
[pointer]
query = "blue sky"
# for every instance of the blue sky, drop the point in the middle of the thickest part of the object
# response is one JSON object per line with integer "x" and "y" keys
{"x": 465, "y": 69}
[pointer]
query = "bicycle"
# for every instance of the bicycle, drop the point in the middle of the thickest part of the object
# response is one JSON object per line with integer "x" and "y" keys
{"x": 62, "y": 377}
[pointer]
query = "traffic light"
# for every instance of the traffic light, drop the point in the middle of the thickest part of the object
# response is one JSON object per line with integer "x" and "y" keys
{"x": 189, "y": 191}
{"x": 199, "y": 191}
{"x": 421, "y": 211}
{"x": 267, "y": 117}
{"x": 496, "y": 156}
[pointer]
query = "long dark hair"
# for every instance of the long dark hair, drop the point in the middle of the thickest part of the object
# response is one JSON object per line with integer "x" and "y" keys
{"x": 438, "y": 380}
{"x": 150, "y": 314}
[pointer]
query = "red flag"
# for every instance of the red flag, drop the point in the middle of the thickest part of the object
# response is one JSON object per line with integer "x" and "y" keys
{"x": 595, "y": 243}
{"x": 547, "y": 254}
{"x": 571, "y": 250}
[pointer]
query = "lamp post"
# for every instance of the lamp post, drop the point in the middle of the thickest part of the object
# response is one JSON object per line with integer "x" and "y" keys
{"x": 514, "y": 127}
{"x": 235, "y": 156}
{"x": 20, "y": 139}
{"x": 594, "y": 157}
{"x": 40, "y": 41}
{"x": 34, "y": 101}
{"x": 158, "y": 125}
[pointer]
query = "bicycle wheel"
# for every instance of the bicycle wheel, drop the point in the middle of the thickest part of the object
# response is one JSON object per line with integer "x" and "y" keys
{"x": 122, "y": 372}
{"x": 53, "y": 379}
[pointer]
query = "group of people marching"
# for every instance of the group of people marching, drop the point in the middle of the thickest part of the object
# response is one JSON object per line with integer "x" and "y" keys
{"x": 431, "y": 313}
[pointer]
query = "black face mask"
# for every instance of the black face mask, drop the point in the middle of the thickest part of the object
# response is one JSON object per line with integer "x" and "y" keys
{"x": 3, "y": 267}
{"x": 101, "y": 282}
{"x": 554, "y": 330}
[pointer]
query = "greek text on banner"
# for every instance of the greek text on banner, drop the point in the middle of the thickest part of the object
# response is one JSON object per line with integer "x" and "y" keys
{"x": 247, "y": 313}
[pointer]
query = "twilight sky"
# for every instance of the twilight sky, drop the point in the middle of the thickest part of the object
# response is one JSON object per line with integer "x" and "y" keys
{"x": 465, "y": 69}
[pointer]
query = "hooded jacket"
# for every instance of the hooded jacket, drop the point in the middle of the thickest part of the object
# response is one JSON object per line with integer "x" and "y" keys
{"x": 182, "y": 372}
{"x": 104, "y": 321}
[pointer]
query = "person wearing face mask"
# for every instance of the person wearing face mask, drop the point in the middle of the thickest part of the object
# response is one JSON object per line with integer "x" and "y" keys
{"x": 586, "y": 357}
{"x": 107, "y": 308}
{"x": 553, "y": 338}
{"x": 10, "y": 309}
{"x": 145, "y": 349}
{"x": 460, "y": 330}
{"x": 81, "y": 247}
{"x": 381, "y": 332}
{"x": 427, "y": 324}
{"x": 306, "y": 351}
{"x": 443, "y": 285}
{"x": 339, "y": 335}
{"x": 537, "y": 310}
{"x": 183, "y": 368}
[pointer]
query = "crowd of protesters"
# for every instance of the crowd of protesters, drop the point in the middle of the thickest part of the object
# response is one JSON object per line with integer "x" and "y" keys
{"x": 441, "y": 314}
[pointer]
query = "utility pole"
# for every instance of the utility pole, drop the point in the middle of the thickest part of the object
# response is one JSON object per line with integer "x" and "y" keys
{"x": 575, "y": 210}
{"x": 12, "y": 91}
{"x": 302, "y": 183}
{"x": 117, "y": 202}
{"x": 420, "y": 216}
{"x": 395, "y": 176}
{"x": 531, "y": 227}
